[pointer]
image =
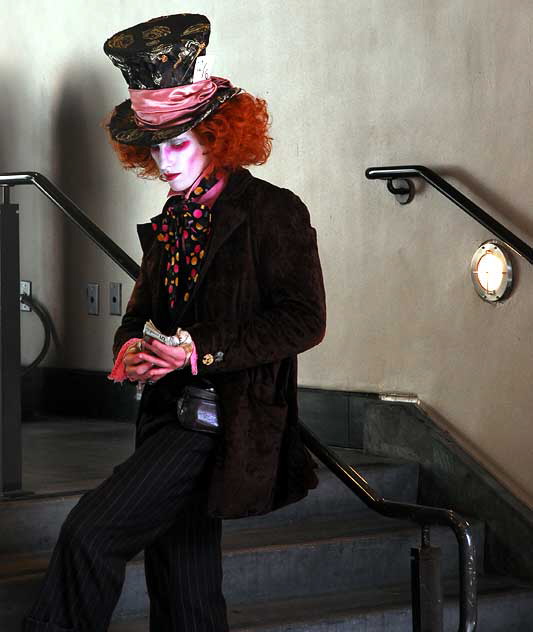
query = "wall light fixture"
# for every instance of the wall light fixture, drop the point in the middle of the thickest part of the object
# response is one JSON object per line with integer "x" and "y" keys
{"x": 491, "y": 271}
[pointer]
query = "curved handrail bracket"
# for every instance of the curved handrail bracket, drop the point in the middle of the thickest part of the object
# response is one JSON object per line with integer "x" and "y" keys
{"x": 76, "y": 215}
{"x": 458, "y": 198}
{"x": 404, "y": 192}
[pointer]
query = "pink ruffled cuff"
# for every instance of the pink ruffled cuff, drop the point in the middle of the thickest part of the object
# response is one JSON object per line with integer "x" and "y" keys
{"x": 194, "y": 360}
{"x": 118, "y": 372}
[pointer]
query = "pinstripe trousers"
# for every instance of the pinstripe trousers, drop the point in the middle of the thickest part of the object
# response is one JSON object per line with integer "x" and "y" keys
{"x": 155, "y": 500}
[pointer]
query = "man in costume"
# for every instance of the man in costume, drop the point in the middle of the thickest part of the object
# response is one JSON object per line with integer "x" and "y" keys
{"x": 230, "y": 272}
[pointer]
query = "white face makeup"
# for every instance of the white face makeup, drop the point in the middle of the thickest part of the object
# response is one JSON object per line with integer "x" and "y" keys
{"x": 180, "y": 160}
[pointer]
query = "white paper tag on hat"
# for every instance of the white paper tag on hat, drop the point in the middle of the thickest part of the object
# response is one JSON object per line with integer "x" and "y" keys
{"x": 203, "y": 67}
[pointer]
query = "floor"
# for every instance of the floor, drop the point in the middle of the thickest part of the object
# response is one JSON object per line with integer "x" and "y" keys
{"x": 68, "y": 454}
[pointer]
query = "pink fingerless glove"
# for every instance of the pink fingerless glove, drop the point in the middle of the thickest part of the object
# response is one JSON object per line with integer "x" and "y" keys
{"x": 118, "y": 372}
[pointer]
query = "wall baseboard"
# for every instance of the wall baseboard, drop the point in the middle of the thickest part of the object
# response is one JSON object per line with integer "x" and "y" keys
{"x": 76, "y": 392}
{"x": 449, "y": 476}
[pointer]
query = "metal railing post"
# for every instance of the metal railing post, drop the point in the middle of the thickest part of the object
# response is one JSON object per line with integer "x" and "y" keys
{"x": 10, "y": 406}
{"x": 426, "y": 586}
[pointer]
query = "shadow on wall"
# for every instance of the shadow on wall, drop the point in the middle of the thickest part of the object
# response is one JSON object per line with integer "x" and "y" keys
{"x": 80, "y": 171}
{"x": 8, "y": 119}
{"x": 23, "y": 147}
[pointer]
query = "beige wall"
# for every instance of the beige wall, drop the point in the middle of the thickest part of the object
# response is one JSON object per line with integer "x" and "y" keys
{"x": 351, "y": 84}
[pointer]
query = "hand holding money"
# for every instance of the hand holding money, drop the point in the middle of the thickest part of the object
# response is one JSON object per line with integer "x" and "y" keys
{"x": 166, "y": 353}
{"x": 180, "y": 338}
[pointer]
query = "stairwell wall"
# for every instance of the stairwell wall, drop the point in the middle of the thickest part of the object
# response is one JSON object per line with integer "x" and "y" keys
{"x": 351, "y": 84}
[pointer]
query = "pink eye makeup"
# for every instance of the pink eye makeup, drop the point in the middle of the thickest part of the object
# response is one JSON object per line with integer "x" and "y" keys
{"x": 181, "y": 145}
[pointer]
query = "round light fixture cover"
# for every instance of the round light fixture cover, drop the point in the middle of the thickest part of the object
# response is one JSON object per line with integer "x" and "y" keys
{"x": 491, "y": 271}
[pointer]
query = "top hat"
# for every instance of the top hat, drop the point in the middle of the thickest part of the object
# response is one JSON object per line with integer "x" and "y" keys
{"x": 158, "y": 60}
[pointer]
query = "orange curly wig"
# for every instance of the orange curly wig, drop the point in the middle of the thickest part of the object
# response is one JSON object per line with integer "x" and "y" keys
{"x": 235, "y": 135}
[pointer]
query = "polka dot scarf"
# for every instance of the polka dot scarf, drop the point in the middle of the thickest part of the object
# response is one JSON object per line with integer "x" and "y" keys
{"x": 184, "y": 228}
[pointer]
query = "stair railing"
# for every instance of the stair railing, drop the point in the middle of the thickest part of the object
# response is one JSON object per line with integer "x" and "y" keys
{"x": 406, "y": 191}
{"x": 426, "y": 583}
{"x": 74, "y": 213}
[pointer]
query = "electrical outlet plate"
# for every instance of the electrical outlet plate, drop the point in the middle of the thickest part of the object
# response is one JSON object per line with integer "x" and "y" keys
{"x": 93, "y": 302}
{"x": 25, "y": 288}
{"x": 115, "y": 298}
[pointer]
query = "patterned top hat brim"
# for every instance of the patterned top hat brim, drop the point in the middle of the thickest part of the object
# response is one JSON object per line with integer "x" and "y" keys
{"x": 123, "y": 128}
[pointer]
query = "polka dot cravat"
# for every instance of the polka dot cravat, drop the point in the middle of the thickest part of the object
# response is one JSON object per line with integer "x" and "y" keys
{"x": 184, "y": 228}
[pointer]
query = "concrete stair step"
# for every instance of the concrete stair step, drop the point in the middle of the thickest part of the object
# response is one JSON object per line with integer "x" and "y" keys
{"x": 504, "y": 605}
{"x": 316, "y": 555}
{"x": 307, "y": 558}
{"x": 33, "y": 523}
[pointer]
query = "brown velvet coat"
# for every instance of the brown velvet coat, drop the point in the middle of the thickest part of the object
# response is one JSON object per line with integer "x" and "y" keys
{"x": 259, "y": 301}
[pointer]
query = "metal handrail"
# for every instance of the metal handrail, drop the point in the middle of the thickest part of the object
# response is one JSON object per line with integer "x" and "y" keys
{"x": 75, "y": 214}
{"x": 455, "y": 196}
{"x": 423, "y": 515}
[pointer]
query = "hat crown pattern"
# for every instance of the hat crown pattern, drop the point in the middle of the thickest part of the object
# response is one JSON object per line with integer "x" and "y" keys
{"x": 160, "y": 53}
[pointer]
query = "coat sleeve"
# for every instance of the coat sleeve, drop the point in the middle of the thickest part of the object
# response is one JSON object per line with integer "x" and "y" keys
{"x": 290, "y": 278}
{"x": 137, "y": 310}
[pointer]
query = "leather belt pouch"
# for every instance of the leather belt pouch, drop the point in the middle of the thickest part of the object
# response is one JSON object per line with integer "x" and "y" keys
{"x": 198, "y": 408}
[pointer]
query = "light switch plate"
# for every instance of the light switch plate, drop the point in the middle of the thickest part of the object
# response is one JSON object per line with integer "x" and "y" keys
{"x": 93, "y": 299}
{"x": 25, "y": 288}
{"x": 115, "y": 298}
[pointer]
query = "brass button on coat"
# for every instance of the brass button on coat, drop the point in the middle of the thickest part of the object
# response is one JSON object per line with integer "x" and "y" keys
{"x": 207, "y": 359}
